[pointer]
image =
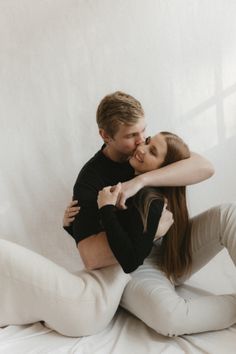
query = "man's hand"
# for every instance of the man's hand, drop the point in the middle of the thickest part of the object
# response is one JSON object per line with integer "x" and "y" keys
{"x": 70, "y": 213}
{"x": 165, "y": 223}
{"x": 128, "y": 189}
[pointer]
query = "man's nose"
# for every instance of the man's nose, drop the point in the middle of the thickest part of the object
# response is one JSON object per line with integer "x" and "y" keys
{"x": 140, "y": 139}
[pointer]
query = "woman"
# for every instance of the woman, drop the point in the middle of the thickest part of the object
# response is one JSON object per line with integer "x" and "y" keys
{"x": 176, "y": 257}
{"x": 131, "y": 233}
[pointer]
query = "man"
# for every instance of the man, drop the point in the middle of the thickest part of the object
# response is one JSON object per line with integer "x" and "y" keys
{"x": 121, "y": 123}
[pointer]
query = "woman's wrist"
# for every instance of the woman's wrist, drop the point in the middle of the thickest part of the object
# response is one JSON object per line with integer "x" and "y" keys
{"x": 152, "y": 178}
{"x": 103, "y": 206}
{"x": 107, "y": 212}
{"x": 140, "y": 181}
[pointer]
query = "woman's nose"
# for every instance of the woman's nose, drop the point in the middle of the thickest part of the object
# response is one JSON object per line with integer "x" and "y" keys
{"x": 141, "y": 149}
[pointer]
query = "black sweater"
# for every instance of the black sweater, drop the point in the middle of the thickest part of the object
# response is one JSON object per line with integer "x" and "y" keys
{"x": 127, "y": 240}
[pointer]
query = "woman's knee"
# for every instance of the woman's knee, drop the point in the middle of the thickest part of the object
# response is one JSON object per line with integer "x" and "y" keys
{"x": 156, "y": 304}
{"x": 228, "y": 210}
{"x": 168, "y": 319}
{"x": 228, "y": 219}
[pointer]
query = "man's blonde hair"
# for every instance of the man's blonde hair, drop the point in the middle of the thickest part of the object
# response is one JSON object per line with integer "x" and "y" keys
{"x": 116, "y": 109}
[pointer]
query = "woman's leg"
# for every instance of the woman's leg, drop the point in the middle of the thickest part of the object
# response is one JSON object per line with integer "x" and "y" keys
{"x": 34, "y": 288}
{"x": 212, "y": 231}
{"x": 152, "y": 297}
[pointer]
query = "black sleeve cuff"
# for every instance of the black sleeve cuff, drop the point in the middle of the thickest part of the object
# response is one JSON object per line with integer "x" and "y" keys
{"x": 107, "y": 212}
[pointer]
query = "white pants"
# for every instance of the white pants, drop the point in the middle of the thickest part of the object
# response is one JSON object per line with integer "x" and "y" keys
{"x": 33, "y": 288}
{"x": 152, "y": 297}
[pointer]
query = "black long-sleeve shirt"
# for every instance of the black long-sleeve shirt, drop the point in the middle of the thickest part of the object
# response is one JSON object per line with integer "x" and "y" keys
{"x": 127, "y": 240}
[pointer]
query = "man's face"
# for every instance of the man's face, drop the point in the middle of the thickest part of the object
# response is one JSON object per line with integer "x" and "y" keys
{"x": 127, "y": 138}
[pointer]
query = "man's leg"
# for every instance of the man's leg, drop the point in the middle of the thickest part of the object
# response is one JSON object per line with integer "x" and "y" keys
{"x": 152, "y": 297}
{"x": 33, "y": 288}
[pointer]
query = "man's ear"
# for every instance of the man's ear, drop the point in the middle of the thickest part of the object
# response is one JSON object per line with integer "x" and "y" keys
{"x": 106, "y": 137}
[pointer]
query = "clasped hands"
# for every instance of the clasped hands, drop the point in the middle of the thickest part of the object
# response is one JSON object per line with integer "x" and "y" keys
{"x": 117, "y": 195}
{"x": 112, "y": 195}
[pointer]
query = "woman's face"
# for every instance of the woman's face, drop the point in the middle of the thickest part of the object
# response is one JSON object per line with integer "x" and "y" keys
{"x": 149, "y": 155}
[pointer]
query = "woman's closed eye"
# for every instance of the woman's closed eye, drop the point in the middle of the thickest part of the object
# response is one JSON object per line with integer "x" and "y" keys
{"x": 153, "y": 151}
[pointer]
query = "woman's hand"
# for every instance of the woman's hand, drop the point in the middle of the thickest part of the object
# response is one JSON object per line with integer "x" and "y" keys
{"x": 165, "y": 223}
{"x": 70, "y": 213}
{"x": 128, "y": 189}
{"x": 108, "y": 195}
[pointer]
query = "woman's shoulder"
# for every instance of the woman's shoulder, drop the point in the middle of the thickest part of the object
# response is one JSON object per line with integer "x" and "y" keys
{"x": 155, "y": 209}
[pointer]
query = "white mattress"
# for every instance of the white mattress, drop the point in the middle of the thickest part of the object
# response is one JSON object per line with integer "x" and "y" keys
{"x": 127, "y": 334}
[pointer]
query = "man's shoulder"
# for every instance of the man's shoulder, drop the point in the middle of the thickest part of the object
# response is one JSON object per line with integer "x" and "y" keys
{"x": 91, "y": 169}
{"x": 92, "y": 164}
{"x": 89, "y": 180}
{"x": 99, "y": 166}
{"x": 100, "y": 171}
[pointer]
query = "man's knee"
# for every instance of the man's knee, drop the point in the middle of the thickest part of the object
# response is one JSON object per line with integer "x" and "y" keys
{"x": 79, "y": 319}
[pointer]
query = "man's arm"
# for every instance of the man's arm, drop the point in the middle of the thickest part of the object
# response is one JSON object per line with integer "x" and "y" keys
{"x": 69, "y": 216}
{"x": 181, "y": 173}
{"x": 94, "y": 250}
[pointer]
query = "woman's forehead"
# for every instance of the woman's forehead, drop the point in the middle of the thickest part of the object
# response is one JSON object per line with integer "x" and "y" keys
{"x": 159, "y": 141}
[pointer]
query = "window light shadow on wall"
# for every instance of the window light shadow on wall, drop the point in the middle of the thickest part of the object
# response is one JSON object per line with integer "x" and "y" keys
{"x": 213, "y": 120}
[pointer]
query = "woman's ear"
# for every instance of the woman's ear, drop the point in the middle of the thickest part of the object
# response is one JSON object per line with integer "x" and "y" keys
{"x": 106, "y": 138}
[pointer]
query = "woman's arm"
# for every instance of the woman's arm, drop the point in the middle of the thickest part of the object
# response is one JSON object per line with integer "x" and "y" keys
{"x": 96, "y": 250}
{"x": 182, "y": 173}
{"x": 129, "y": 244}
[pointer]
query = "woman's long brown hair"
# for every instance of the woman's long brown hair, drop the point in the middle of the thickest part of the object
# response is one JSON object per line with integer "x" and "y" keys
{"x": 175, "y": 249}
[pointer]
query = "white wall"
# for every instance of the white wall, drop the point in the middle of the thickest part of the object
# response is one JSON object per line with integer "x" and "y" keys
{"x": 58, "y": 58}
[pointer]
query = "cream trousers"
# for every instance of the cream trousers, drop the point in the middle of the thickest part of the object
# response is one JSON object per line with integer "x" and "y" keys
{"x": 153, "y": 298}
{"x": 33, "y": 288}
